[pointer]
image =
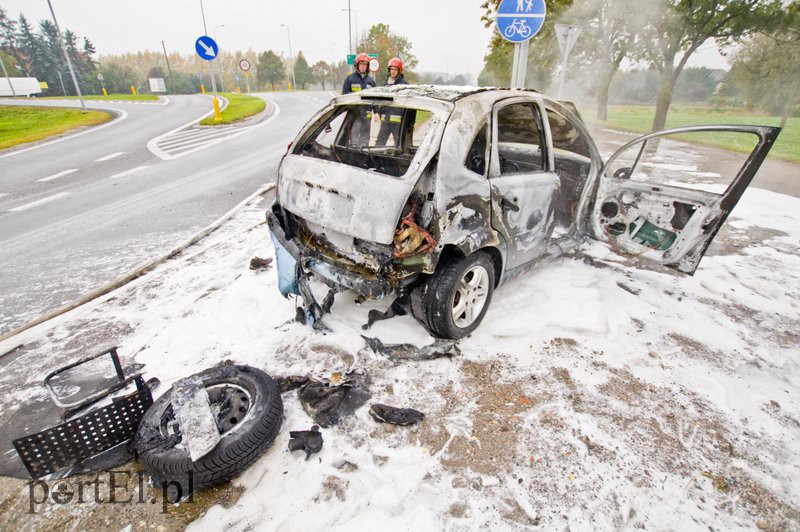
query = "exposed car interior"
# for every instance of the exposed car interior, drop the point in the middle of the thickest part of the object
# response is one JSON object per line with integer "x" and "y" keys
{"x": 382, "y": 138}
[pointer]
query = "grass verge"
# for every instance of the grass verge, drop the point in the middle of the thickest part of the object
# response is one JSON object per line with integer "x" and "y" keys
{"x": 240, "y": 106}
{"x": 132, "y": 97}
{"x": 28, "y": 124}
{"x": 639, "y": 119}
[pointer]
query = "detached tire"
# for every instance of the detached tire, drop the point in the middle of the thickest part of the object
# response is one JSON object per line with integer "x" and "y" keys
{"x": 453, "y": 301}
{"x": 249, "y": 413}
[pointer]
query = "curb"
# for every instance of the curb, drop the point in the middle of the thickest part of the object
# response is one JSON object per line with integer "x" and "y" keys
{"x": 137, "y": 272}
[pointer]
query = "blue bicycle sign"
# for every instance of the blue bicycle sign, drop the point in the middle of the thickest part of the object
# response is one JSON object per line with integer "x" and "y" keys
{"x": 519, "y": 20}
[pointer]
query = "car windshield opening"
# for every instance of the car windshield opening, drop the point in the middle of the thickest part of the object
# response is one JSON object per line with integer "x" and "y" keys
{"x": 383, "y": 138}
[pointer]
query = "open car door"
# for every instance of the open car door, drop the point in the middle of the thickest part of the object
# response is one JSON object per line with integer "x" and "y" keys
{"x": 664, "y": 196}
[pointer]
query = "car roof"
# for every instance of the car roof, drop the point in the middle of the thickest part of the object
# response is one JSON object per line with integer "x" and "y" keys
{"x": 448, "y": 93}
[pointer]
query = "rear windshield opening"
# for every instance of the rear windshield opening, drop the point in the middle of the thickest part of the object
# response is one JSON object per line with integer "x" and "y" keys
{"x": 383, "y": 138}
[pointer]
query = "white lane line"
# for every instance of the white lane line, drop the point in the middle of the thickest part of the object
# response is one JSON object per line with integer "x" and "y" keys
{"x": 3, "y": 194}
{"x": 129, "y": 172}
{"x": 109, "y": 157}
{"x": 36, "y": 203}
{"x": 194, "y": 140}
{"x": 241, "y": 131}
{"x": 56, "y": 176}
{"x": 180, "y": 137}
{"x": 152, "y": 144}
{"x": 122, "y": 116}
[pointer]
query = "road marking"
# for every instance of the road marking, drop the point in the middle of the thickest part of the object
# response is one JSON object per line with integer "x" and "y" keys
{"x": 129, "y": 172}
{"x": 172, "y": 144}
{"x": 122, "y": 116}
{"x": 153, "y": 146}
{"x": 56, "y": 176}
{"x": 109, "y": 157}
{"x": 3, "y": 194}
{"x": 36, "y": 203}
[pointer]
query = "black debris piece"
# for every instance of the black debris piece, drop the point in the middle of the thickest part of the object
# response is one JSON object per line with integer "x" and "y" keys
{"x": 409, "y": 352}
{"x": 397, "y": 308}
{"x": 309, "y": 441}
{"x": 290, "y": 382}
{"x": 631, "y": 290}
{"x": 329, "y": 402}
{"x": 257, "y": 263}
{"x": 395, "y": 416}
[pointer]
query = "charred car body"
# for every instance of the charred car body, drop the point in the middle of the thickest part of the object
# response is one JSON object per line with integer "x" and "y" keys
{"x": 438, "y": 195}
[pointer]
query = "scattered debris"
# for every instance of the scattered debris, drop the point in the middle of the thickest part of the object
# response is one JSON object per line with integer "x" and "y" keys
{"x": 397, "y": 308}
{"x": 257, "y": 263}
{"x": 634, "y": 291}
{"x": 309, "y": 441}
{"x": 330, "y": 400}
{"x": 395, "y": 416}
{"x": 290, "y": 382}
{"x": 192, "y": 409}
{"x": 409, "y": 352}
{"x": 345, "y": 465}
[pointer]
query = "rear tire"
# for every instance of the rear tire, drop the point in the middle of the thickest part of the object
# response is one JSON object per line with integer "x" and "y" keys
{"x": 453, "y": 301}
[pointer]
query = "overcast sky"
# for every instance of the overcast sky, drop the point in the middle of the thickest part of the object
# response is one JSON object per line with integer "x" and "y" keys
{"x": 447, "y": 35}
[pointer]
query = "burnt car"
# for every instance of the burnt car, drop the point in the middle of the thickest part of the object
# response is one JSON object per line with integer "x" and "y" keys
{"x": 437, "y": 195}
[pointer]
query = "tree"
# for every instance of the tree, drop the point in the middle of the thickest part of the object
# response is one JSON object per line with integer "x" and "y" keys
{"x": 610, "y": 31}
{"x": 31, "y": 47}
{"x": 302, "y": 72}
{"x": 387, "y": 44}
{"x": 9, "y": 63}
{"x": 679, "y": 30}
{"x": 767, "y": 72}
{"x": 321, "y": 72}
{"x": 543, "y": 55}
{"x": 270, "y": 69}
{"x": 8, "y": 36}
{"x": 695, "y": 84}
{"x": 156, "y": 72}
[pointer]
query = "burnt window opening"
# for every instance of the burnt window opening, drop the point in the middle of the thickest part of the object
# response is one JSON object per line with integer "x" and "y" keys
{"x": 519, "y": 139}
{"x": 382, "y": 138}
{"x": 572, "y": 160}
{"x": 476, "y": 156}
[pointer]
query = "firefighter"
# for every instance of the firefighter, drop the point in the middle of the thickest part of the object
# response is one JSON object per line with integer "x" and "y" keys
{"x": 360, "y": 79}
{"x": 390, "y": 120}
{"x": 355, "y": 82}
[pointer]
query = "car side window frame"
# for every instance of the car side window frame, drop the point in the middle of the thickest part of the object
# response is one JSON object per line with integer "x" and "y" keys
{"x": 485, "y": 126}
{"x": 544, "y": 134}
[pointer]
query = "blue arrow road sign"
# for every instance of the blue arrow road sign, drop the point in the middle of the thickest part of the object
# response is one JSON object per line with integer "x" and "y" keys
{"x": 206, "y": 48}
{"x": 519, "y": 20}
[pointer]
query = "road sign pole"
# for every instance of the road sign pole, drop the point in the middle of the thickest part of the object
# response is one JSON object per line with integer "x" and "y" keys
{"x": 3, "y": 64}
{"x": 519, "y": 68}
{"x": 66, "y": 56}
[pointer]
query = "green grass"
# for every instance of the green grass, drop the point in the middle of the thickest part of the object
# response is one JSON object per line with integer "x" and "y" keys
{"x": 136, "y": 97}
{"x": 639, "y": 119}
{"x": 240, "y": 106}
{"x": 28, "y": 124}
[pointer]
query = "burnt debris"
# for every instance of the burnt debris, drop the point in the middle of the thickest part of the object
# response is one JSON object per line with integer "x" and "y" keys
{"x": 308, "y": 441}
{"x": 410, "y": 352}
{"x": 394, "y": 415}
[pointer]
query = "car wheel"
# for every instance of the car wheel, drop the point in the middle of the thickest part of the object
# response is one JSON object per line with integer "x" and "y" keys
{"x": 453, "y": 301}
{"x": 249, "y": 412}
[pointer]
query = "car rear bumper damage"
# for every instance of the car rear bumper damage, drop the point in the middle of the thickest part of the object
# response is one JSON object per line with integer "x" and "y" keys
{"x": 293, "y": 262}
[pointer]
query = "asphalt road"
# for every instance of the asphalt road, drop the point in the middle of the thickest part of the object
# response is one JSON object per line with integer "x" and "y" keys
{"x": 76, "y": 213}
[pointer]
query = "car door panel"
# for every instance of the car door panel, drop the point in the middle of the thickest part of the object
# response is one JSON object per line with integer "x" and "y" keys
{"x": 669, "y": 223}
{"x": 523, "y": 189}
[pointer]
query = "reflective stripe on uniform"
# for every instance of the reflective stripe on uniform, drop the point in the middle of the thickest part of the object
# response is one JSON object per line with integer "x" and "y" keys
{"x": 355, "y": 88}
{"x": 394, "y": 118}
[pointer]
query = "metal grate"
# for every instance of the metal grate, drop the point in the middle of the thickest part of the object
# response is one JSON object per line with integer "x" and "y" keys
{"x": 76, "y": 440}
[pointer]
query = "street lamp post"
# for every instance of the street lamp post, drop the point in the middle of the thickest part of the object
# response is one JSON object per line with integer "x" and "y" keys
{"x": 355, "y": 13}
{"x": 171, "y": 81}
{"x": 291, "y": 55}
{"x": 66, "y": 56}
{"x": 221, "y": 80}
